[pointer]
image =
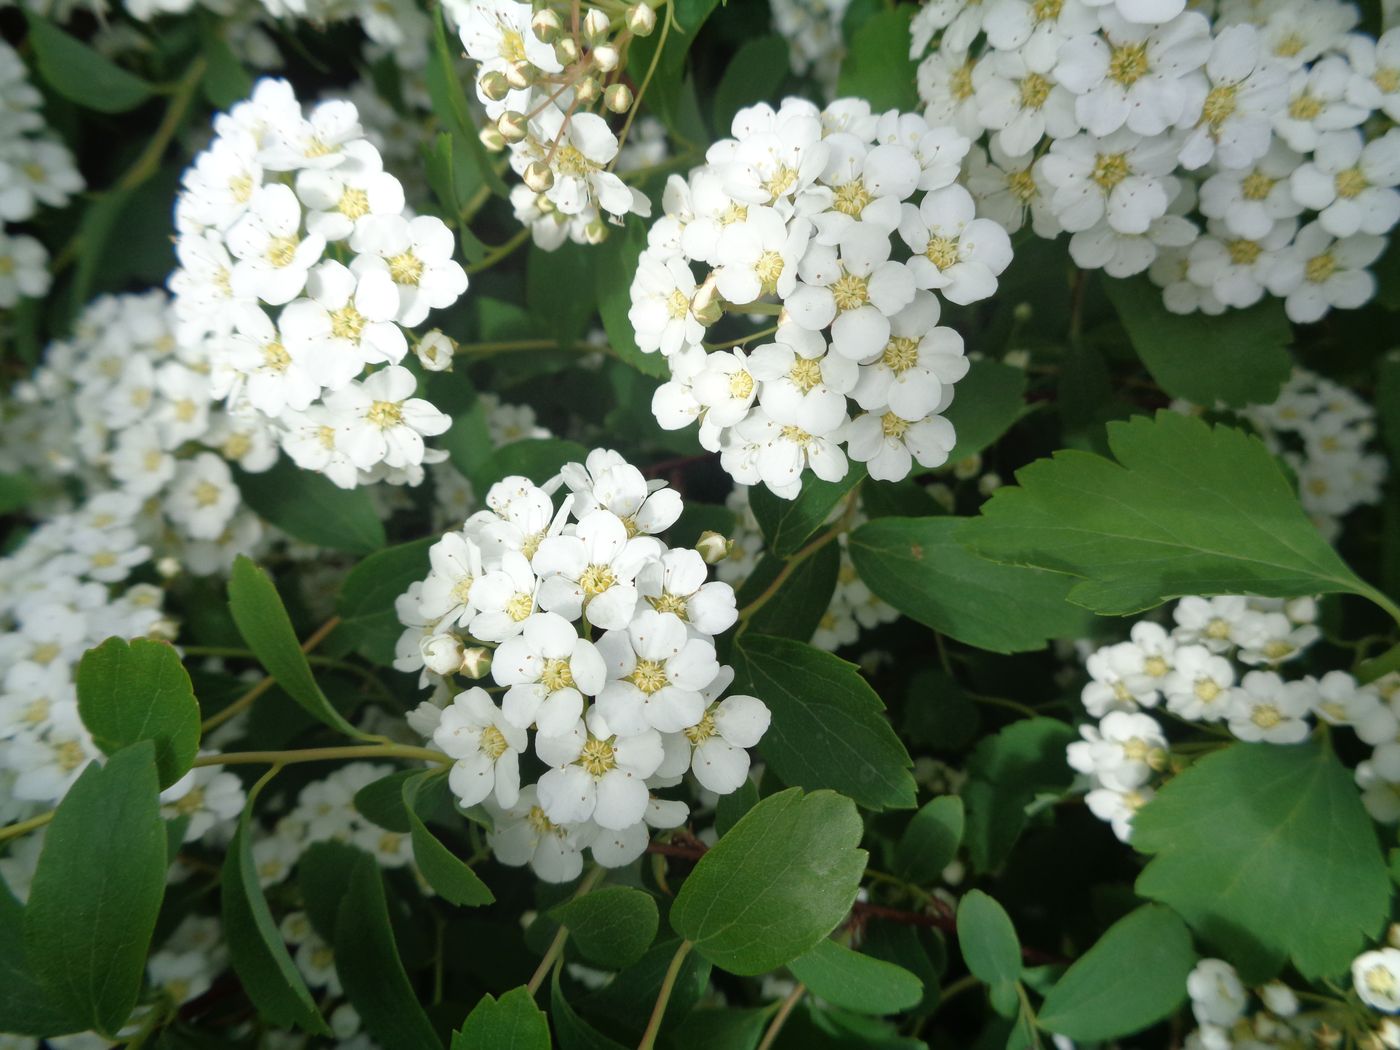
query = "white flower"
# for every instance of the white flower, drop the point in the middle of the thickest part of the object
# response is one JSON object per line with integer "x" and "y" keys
{"x": 1120, "y": 177}
{"x": 1376, "y": 84}
{"x": 1352, "y": 183}
{"x": 596, "y": 774}
{"x": 1007, "y": 187}
{"x": 720, "y": 760}
{"x": 676, "y": 583}
{"x": 417, "y": 255}
{"x": 35, "y": 172}
{"x": 1036, "y": 29}
{"x": 1246, "y": 90}
{"x": 656, "y": 672}
{"x": 1251, "y": 200}
{"x": 1317, "y": 103}
{"x": 1123, "y": 752}
{"x": 1318, "y": 272}
{"x": 663, "y": 289}
{"x": 1215, "y": 622}
{"x": 856, "y": 293}
{"x": 337, "y": 198}
{"x": 759, "y": 256}
{"x": 1019, "y": 99}
{"x": 523, "y": 834}
{"x": 915, "y": 373}
{"x": 273, "y": 258}
{"x": 256, "y": 363}
{"x": 608, "y": 482}
{"x": 778, "y": 154}
{"x": 1265, "y": 707}
{"x": 345, "y": 323}
{"x": 208, "y": 797}
{"x": 1237, "y": 269}
{"x": 203, "y": 497}
{"x": 315, "y": 141}
{"x": 954, "y": 252}
{"x": 944, "y": 80}
{"x": 781, "y": 451}
{"x": 1217, "y": 995}
{"x": 447, "y": 591}
{"x": 1118, "y": 808}
{"x": 486, "y": 746}
{"x": 1376, "y": 977}
{"x": 592, "y": 572}
{"x": 886, "y": 443}
{"x": 801, "y": 384}
{"x": 383, "y": 421}
{"x": 585, "y": 145}
{"x": 867, "y": 184}
{"x": 547, "y": 668}
{"x": 24, "y": 269}
{"x": 1198, "y": 686}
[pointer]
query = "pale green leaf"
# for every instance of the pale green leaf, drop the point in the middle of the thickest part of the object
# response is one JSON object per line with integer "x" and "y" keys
{"x": 988, "y": 940}
{"x": 446, "y": 872}
{"x": 80, "y": 74}
{"x": 877, "y": 66}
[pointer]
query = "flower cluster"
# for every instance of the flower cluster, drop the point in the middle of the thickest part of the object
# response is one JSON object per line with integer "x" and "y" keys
{"x": 1229, "y": 159}
{"x": 1222, "y": 663}
{"x": 306, "y": 344}
{"x": 36, "y": 170}
{"x": 546, "y": 81}
{"x": 849, "y": 226}
{"x": 618, "y": 717}
{"x": 812, "y": 29}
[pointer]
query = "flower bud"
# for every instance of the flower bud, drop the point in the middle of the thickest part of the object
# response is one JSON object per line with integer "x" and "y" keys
{"x": 492, "y": 139}
{"x": 520, "y": 75}
{"x": 1017, "y": 358}
{"x": 546, "y": 25}
{"x": 587, "y": 90}
{"x": 595, "y": 232}
{"x": 168, "y": 567}
{"x": 435, "y": 351}
{"x": 989, "y": 483}
{"x": 476, "y": 662}
{"x": 512, "y": 125}
{"x": 605, "y": 57}
{"x": 618, "y": 98}
{"x": 641, "y": 19}
{"x": 442, "y": 653}
{"x": 596, "y": 27}
{"x": 968, "y": 467}
{"x": 1022, "y": 312}
{"x": 1392, "y": 935}
{"x": 493, "y": 85}
{"x": 713, "y": 547}
{"x": 163, "y": 630}
{"x": 705, "y": 304}
{"x": 538, "y": 176}
{"x": 566, "y": 50}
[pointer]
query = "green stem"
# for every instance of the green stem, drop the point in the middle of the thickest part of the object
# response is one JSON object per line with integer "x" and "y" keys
{"x": 323, "y": 754}
{"x": 747, "y": 612}
{"x": 780, "y": 1018}
{"x": 24, "y": 826}
{"x": 668, "y": 984}
{"x": 556, "y": 946}
{"x": 1379, "y": 666}
{"x": 646, "y": 82}
{"x": 741, "y": 342}
{"x": 500, "y": 252}
{"x": 507, "y": 346}
{"x": 146, "y": 164}
{"x": 246, "y": 700}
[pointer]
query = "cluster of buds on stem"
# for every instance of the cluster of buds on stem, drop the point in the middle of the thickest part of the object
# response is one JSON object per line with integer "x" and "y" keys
{"x": 550, "y": 78}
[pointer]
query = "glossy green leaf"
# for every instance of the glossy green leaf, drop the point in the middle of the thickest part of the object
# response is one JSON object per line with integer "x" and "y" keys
{"x": 97, "y": 891}
{"x": 366, "y": 602}
{"x": 986, "y": 403}
{"x": 788, "y": 524}
{"x": 446, "y": 872}
{"x": 323, "y": 876}
{"x": 877, "y": 66}
{"x": 776, "y": 885}
{"x": 665, "y": 93}
{"x": 451, "y": 107}
{"x": 80, "y": 74}
{"x": 314, "y": 509}
{"x": 1133, "y": 977}
{"x": 930, "y": 840}
{"x": 829, "y": 728}
{"x": 1240, "y": 357}
{"x": 613, "y": 927}
{"x": 559, "y": 289}
{"x": 988, "y": 940}
{"x": 922, "y": 568}
{"x": 1239, "y": 824}
{"x": 262, "y": 620}
{"x": 381, "y": 801}
{"x": 367, "y": 961}
{"x": 512, "y": 1022}
{"x": 139, "y": 690}
{"x": 855, "y": 981}
{"x": 225, "y": 80}
{"x": 1187, "y": 509}
{"x": 25, "y": 1007}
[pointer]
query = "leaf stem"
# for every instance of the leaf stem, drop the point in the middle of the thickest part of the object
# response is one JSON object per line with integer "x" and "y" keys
{"x": 24, "y": 826}
{"x": 556, "y": 946}
{"x": 323, "y": 754}
{"x": 247, "y": 699}
{"x": 146, "y": 164}
{"x": 747, "y": 612}
{"x": 780, "y": 1018}
{"x": 646, "y": 81}
{"x": 668, "y": 984}
{"x": 500, "y": 252}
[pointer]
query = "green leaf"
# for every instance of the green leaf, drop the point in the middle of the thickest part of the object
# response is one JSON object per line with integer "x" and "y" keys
{"x": 367, "y": 961}
{"x": 538, "y": 459}
{"x": 855, "y": 981}
{"x": 776, "y": 885}
{"x": 613, "y": 269}
{"x": 80, "y": 74}
{"x": 446, "y": 872}
{"x": 665, "y": 93}
{"x": 730, "y": 1028}
{"x": 263, "y": 622}
{"x": 366, "y": 602}
{"x": 799, "y": 605}
{"x": 512, "y": 1022}
{"x": 323, "y": 875}
{"x": 570, "y": 1030}
{"x": 930, "y": 840}
{"x": 16, "y": 490}
{"x": 559, "y": 289}
{"x": 313, "y": 508}
{"x": 731, "y": 807}
{"x": 829, "y": 727}
{"x": 989, "y": 399}
{"x": 1006, "y": 771}
{"x": 988, "y": 940}
{"x": 25, "y": 1008}
{"x": 612, "y": 927}
{"x": 451, "y": 107}
{"x": 1240, "y": 357}
{"x": 97, "y": 891}
{"x": 1247, "y": 824}
{"x": 641, "y": 982}
{"x": 877, "y": 67}
{"x": 754, "y": 74}
{"x": 225, "y": 80}
{"x": 1186, "y": 509}
{"x": 139, "y": 690}
{"x": 788, "y": 524}
{"x": 381, "y": 801}
{"x": 1132, "y": 978}
{"x": 919, "y": 566}
{"x": 256, "y": 950}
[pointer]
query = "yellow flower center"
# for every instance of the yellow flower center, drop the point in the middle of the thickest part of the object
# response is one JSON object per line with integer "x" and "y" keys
{"x": 702, "y": 730}
{"x": 316, "y": 148}
{"x": 347, "y": 323}
{"x": 571, "y": 162}
{"x": 1046, "y": 10}
{"x": 1022, "y": 185}
{"x": 1128, "y": 64}
{"x": 1109, "y": 170}
{"x": 1266, "y": 716}
{"x": 806, "y": 373}
{"x": 677, "y": 304}
{"x": 782, "y": 180}
{"x": 540, "y": 823}
{"x": 354, "y": 203}
{"x": 1278, "y": 649}
{"x": 191, "y": 803}
{"x": 493, "y": 743}
{"x": 1387, "y": 78}
{"x": 670, "y": 603}
{"x": 768, "y": 269}
{"x": 406, "y": 268}
{"x": 649, "y": 676}
{"x": 740, "y": 384}
{"x": 960, "y": 84}
{"x": 734, "y": 212}
{"x": 520, "y": 606}
{"x": 275, "y": 357}
{"x": 1220, "y": 105}
{"x": 1350, "y": 183}
{"x": 1320, "y": 267}
{"x": 796, "y": 435}
{"x": 1305, "y": 107}
{"x": 36, "y": 711}
{"x": 942, "y": 251}
{"x": 1243, "y": 252}
{"x": 206, "y": 494}
{"x": 893, "y": 426}
{"x": 1380, "y": 981}
{"x": 1035, "y": 89}
{"x": 1289, "y": 46}
{"x": 69, "y": 755}
{"x": 597, "y": 756}
{"x": 851, "y": 198}
{"x": 281, "y": 251}
{"x": 850, "y": 292}
{"x": 596, "y": 579}
{"x": 901, "y": 354}
{"x": 1257, "y": 186}
{"x": 385, "y": 414}
{"x": 241, "y": 187}
{"x": 326, "y": 435}
{"x": 1206, "y": 690}
{"x": 1155, "y": 666}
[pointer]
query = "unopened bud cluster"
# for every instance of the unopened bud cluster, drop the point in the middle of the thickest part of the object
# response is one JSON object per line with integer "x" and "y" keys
{"x": 549, "y": 78}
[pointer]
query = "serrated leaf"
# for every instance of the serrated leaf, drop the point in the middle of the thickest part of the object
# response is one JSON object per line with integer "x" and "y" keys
{"x": 1133, "y": 977}
{"x": 986, "y": 403}
{"x": 1187, "y": 508}
{"x": 788, "y": 524}
{"x": 1254, "y": 824}
{"x": 446, "y": 872}
{"x": 368, "y": 964}
{"x": 366, "y": 602}
{"x": 877, "y": 66}
{"x": 855, "y": 981}
{"x": 263, "y": 622}
{"x": 930, "y": 840}
{"x": 139, "y": 690}
{"x": 97, "y": 891}
{"x": 988, "y": 940}
{"x": 922, "y": 568}
{"x": 1240, "y": 357}
{"x": 776, "y": 885}
{"x": 313, "y": 508}
{"x": 512, "y": 1022}
{"x": 829, "y": 728}
{"x": 80, "y": 74}
{"x": 613, "y": 927}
